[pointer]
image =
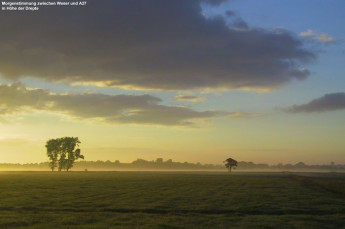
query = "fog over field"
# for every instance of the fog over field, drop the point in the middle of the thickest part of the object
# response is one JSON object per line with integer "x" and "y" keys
{"x": 168, "y": 165}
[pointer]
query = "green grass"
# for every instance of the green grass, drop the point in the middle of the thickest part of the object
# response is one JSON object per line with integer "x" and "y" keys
{"x": 165, "y": 200}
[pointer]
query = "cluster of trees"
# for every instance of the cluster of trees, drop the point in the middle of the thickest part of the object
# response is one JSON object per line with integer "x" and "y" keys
{"x": 300, "y": 166}
{"x": 63, "y": 152}
{"x": 159, "y": 164}
{"x": 141, "y": 164}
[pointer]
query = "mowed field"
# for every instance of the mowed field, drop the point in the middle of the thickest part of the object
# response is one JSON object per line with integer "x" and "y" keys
{"x": 168, "y": 200}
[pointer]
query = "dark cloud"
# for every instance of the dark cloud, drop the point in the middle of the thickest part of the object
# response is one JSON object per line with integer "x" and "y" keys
{"x": 240, "y": 24}
{"x": 152, "y": 44}
{"x": 14, "y": 98}
{"x": 230, "y": 13}
{"x": 140, "y": 109}
{"x": 216, "y": 2}
{"x": 328, "y": 102}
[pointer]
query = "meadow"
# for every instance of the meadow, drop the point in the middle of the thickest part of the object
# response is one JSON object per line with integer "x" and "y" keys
{"x": 170, "y": 200}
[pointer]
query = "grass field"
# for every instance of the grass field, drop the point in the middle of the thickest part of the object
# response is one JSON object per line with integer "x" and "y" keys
{"x": 168, "y": 200}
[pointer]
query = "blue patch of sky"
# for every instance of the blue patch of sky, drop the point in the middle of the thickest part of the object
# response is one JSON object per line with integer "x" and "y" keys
{"x": 296, "y": 15}
{"x": 323, "y": 17}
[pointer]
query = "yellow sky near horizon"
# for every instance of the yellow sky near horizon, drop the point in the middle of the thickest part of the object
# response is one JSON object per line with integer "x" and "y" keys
{"x": 266, "y": 139}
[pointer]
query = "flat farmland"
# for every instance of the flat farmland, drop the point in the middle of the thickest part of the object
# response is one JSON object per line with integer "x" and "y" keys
{"x": 169, "y": 200}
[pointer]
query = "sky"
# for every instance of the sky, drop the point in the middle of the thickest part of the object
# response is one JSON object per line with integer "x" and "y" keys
{"x": 187, "y": 80}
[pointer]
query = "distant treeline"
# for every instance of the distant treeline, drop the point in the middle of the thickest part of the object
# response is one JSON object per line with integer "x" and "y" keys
{"x": 160, "y": 164}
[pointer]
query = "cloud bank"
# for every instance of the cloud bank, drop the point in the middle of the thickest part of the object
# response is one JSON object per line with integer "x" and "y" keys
{"x": 328, "y": 102}
{"x": 152, "y": 44}
{"x": 116, "y": 109}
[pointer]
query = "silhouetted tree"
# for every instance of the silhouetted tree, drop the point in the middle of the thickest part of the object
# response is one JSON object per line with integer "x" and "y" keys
{"x": 62, "y": 152}
{"x": 229, "y": 163}
{"x": 159, "y": 160}
{"x": 53, "y": 153}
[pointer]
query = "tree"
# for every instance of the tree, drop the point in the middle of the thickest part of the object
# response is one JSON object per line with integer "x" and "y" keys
{"x": 229, "y": 163}
{"x": 62, "y": 152}
{"x": 53, "y": 153}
